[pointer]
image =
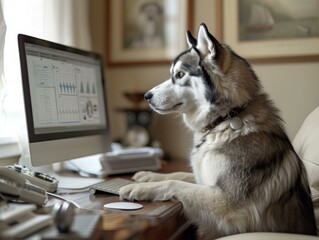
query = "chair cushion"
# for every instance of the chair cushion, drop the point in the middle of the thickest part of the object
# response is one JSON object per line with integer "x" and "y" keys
{"x": 268, "y": 236}
{"x": 306, "y": 144}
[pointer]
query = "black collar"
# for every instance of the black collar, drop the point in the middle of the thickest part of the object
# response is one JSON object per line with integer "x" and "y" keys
{"x": 232, "y": 113}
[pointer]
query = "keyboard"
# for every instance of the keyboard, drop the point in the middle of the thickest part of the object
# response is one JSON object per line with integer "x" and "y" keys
{"x": 110, "y": 186}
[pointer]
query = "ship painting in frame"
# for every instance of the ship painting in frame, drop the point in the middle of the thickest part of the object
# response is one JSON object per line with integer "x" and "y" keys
{"x": 272, "y": 30}
{"x": 260, "y": 19}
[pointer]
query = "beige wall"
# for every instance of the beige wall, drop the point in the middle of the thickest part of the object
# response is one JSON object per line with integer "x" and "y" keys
{"x": 293, "y": 86}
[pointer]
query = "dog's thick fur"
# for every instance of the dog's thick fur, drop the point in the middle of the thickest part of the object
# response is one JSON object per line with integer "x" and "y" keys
{"x": 245, "y": 178}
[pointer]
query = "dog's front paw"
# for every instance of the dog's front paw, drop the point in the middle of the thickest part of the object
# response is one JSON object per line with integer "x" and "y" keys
{"x": 136, "y": 191}
{"x": 144, "y": 192}
{"x": 148, "y": 176}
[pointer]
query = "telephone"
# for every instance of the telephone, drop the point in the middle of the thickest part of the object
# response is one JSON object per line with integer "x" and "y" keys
{"x": 19, "y": 220}
{"x": 14, "y": 186}
{"x": 49, "y": 183}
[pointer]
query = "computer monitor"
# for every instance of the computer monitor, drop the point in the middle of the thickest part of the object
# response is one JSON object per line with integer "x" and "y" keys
{"x": 65, "y": 102}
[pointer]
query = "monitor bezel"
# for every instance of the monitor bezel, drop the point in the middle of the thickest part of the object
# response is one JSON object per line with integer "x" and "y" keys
{"x": 33, "y": 137}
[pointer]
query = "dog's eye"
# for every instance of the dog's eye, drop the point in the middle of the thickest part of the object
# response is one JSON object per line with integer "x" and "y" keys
{"x": 180, "y": 74}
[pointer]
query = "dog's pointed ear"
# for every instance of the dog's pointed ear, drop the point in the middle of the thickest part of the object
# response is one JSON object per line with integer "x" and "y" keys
{"x": 206, "y": 43}
{"x": 191, "y": 41}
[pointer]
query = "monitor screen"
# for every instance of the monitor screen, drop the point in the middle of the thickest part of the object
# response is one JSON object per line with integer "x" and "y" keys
{"x": 65, "y": 103}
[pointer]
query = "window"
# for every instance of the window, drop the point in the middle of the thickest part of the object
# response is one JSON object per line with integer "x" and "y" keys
{"x": 62, "y": 21}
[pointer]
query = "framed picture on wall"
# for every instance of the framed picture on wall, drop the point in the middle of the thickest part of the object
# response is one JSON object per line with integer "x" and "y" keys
{"x": 146, "y": 31}
{"x": 271, "y": 31}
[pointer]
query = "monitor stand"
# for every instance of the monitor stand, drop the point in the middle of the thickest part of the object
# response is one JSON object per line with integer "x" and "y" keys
{"x": 67, "y": 179}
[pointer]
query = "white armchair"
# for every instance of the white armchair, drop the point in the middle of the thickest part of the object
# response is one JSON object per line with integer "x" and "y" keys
{"x": 306, "y": 144}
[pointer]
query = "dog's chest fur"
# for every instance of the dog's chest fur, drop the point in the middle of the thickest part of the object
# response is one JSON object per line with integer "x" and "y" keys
{"x": 207, "y": 162}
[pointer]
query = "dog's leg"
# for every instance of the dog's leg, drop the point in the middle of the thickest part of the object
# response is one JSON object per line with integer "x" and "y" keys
{"x": 147, "y": 176}
{"x": 171, "y": 189}
{"x": 203, "y": 204}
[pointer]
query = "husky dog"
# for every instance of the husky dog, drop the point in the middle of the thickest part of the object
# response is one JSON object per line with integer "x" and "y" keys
{"x": 246, "y": 175}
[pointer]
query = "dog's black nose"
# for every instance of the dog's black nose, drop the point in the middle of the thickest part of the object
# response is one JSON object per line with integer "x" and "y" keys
{"x": 148, "y": 96}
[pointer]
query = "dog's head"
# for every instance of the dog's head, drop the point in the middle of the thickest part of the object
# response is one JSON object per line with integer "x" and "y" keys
{"x": 206, "y": 78}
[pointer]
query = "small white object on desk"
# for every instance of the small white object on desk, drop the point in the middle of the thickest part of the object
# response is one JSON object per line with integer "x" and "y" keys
{"x": 123, "y": 205}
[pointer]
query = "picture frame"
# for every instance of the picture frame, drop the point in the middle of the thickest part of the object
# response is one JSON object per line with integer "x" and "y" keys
{"x": 146, "y": 32}
{"x": 281, "y": 38}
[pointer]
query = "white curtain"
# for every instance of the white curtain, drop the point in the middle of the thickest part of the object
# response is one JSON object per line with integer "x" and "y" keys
{"x": 62, "y": 21}
{"x": 2, "y": 82}
{"x": 67, "y": 22}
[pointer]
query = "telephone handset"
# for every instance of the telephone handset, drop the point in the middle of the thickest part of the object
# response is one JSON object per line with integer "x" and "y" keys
{"x": 45, "y": 181}
{"x": 15, "y": 187}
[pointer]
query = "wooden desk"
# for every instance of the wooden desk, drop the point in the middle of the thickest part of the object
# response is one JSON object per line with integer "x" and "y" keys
{"x": 156, "y": 220}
